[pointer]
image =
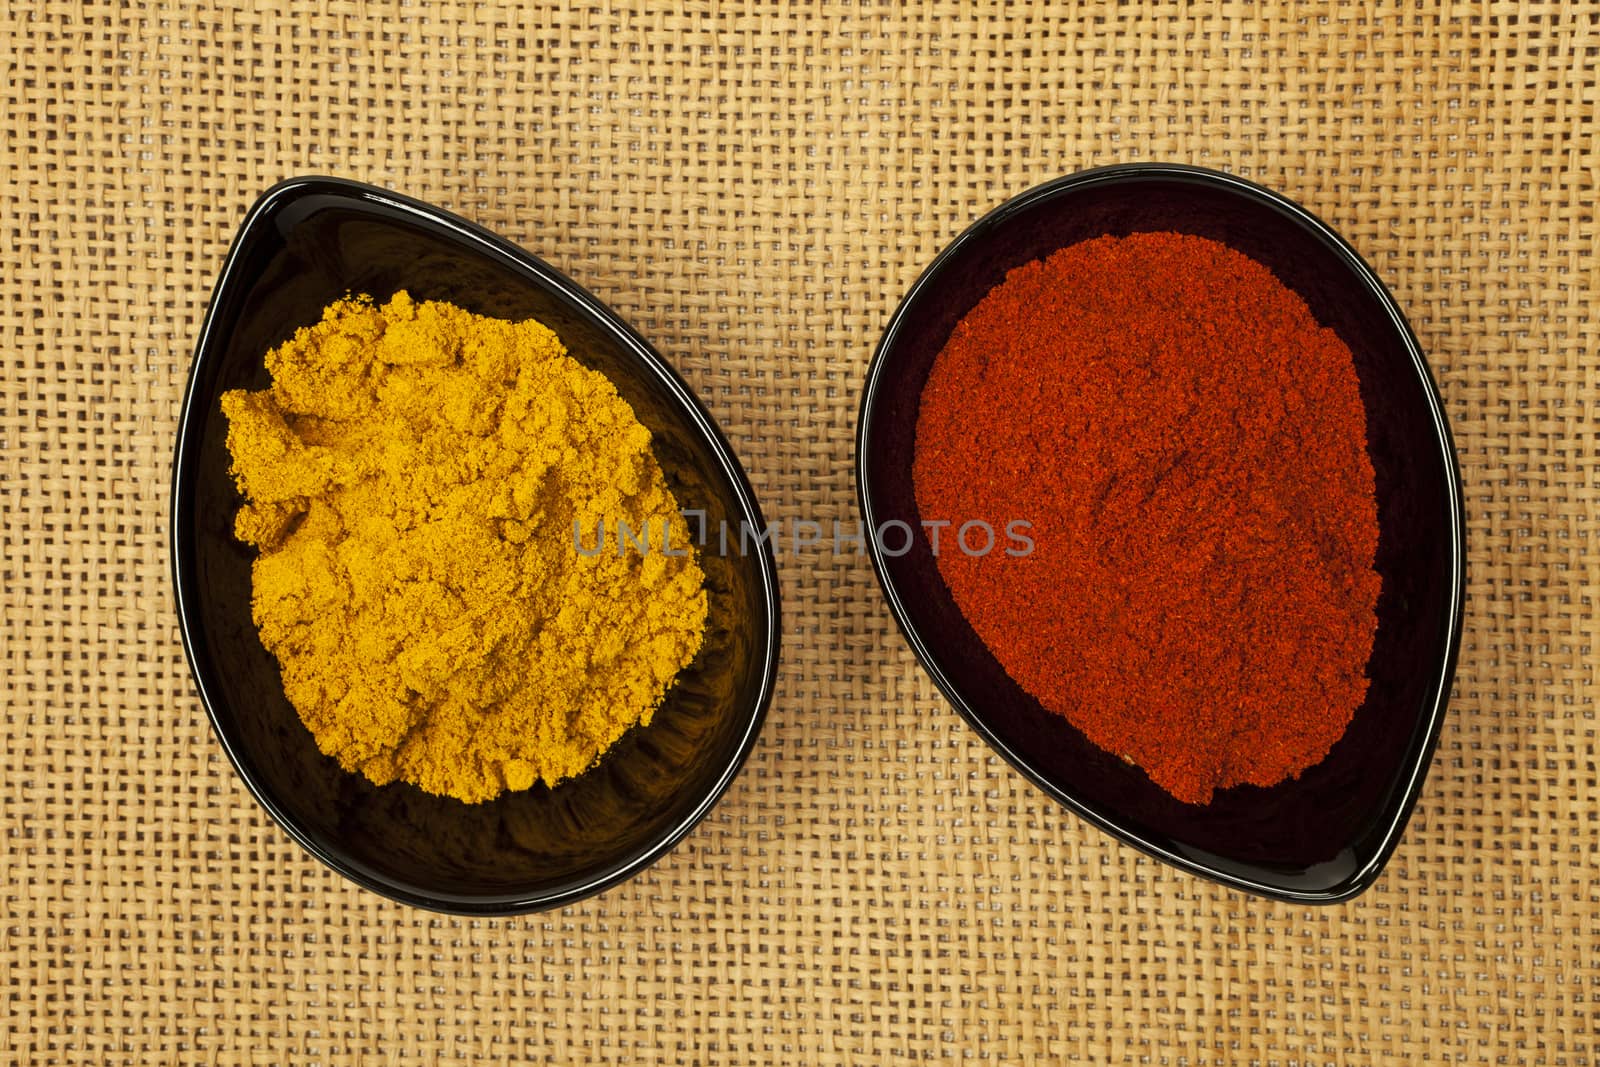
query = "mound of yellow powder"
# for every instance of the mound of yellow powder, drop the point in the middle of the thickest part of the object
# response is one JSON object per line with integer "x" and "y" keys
{"x": 413, "y": 480}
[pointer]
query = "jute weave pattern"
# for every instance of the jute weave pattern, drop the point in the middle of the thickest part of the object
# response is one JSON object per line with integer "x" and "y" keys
{"x": 754, "y": 186}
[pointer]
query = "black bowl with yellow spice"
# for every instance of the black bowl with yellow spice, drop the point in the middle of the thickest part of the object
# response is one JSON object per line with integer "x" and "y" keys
{"x": 305, "y": 245}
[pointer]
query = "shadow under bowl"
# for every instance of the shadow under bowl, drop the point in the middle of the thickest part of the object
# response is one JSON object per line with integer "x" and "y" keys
{"x": 1324, "y": 836}
{"x": 306, "y": 243}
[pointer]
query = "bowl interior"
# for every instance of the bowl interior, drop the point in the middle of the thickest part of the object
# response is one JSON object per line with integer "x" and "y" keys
{"x": 1325, "y": 835}
{"x": 305, "y": 244}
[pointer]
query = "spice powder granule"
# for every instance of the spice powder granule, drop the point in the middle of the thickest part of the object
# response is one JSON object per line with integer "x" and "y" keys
{"x": 413, "y": 479}
{"x": 1189, "y": 445}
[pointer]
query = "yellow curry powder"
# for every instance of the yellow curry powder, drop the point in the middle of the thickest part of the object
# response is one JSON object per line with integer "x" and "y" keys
{"x": 414, "y": 479}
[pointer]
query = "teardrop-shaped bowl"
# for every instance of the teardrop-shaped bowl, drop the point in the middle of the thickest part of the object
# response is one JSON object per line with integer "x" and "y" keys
{"x": 1326, "y": 835}
{"x": 306, "y": 243}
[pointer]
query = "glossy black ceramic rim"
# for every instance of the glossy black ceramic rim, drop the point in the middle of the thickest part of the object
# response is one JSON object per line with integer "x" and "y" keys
{"x": 1440, "y": 686}
{"x": 539, "y": 272}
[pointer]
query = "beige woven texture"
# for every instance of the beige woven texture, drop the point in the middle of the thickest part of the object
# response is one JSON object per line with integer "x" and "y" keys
{"x": 754, "y": 188}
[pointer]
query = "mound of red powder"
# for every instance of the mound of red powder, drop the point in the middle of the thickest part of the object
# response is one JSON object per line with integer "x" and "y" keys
{"x": 1189, "y": 446}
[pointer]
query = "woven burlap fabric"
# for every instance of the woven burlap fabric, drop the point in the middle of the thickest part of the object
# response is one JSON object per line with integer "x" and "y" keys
{"x": 754, "y": 187}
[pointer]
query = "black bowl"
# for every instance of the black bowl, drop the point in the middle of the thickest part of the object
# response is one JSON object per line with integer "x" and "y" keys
{"x": 1325, "y": 836}
{"x": 304, "y": 244}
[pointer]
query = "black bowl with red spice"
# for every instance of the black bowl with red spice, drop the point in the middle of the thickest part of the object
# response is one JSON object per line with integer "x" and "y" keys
{"x": 1324, "y": 834}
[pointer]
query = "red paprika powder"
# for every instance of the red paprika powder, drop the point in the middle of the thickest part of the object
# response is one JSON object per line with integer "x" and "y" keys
{"x": 1189, "y": 446}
